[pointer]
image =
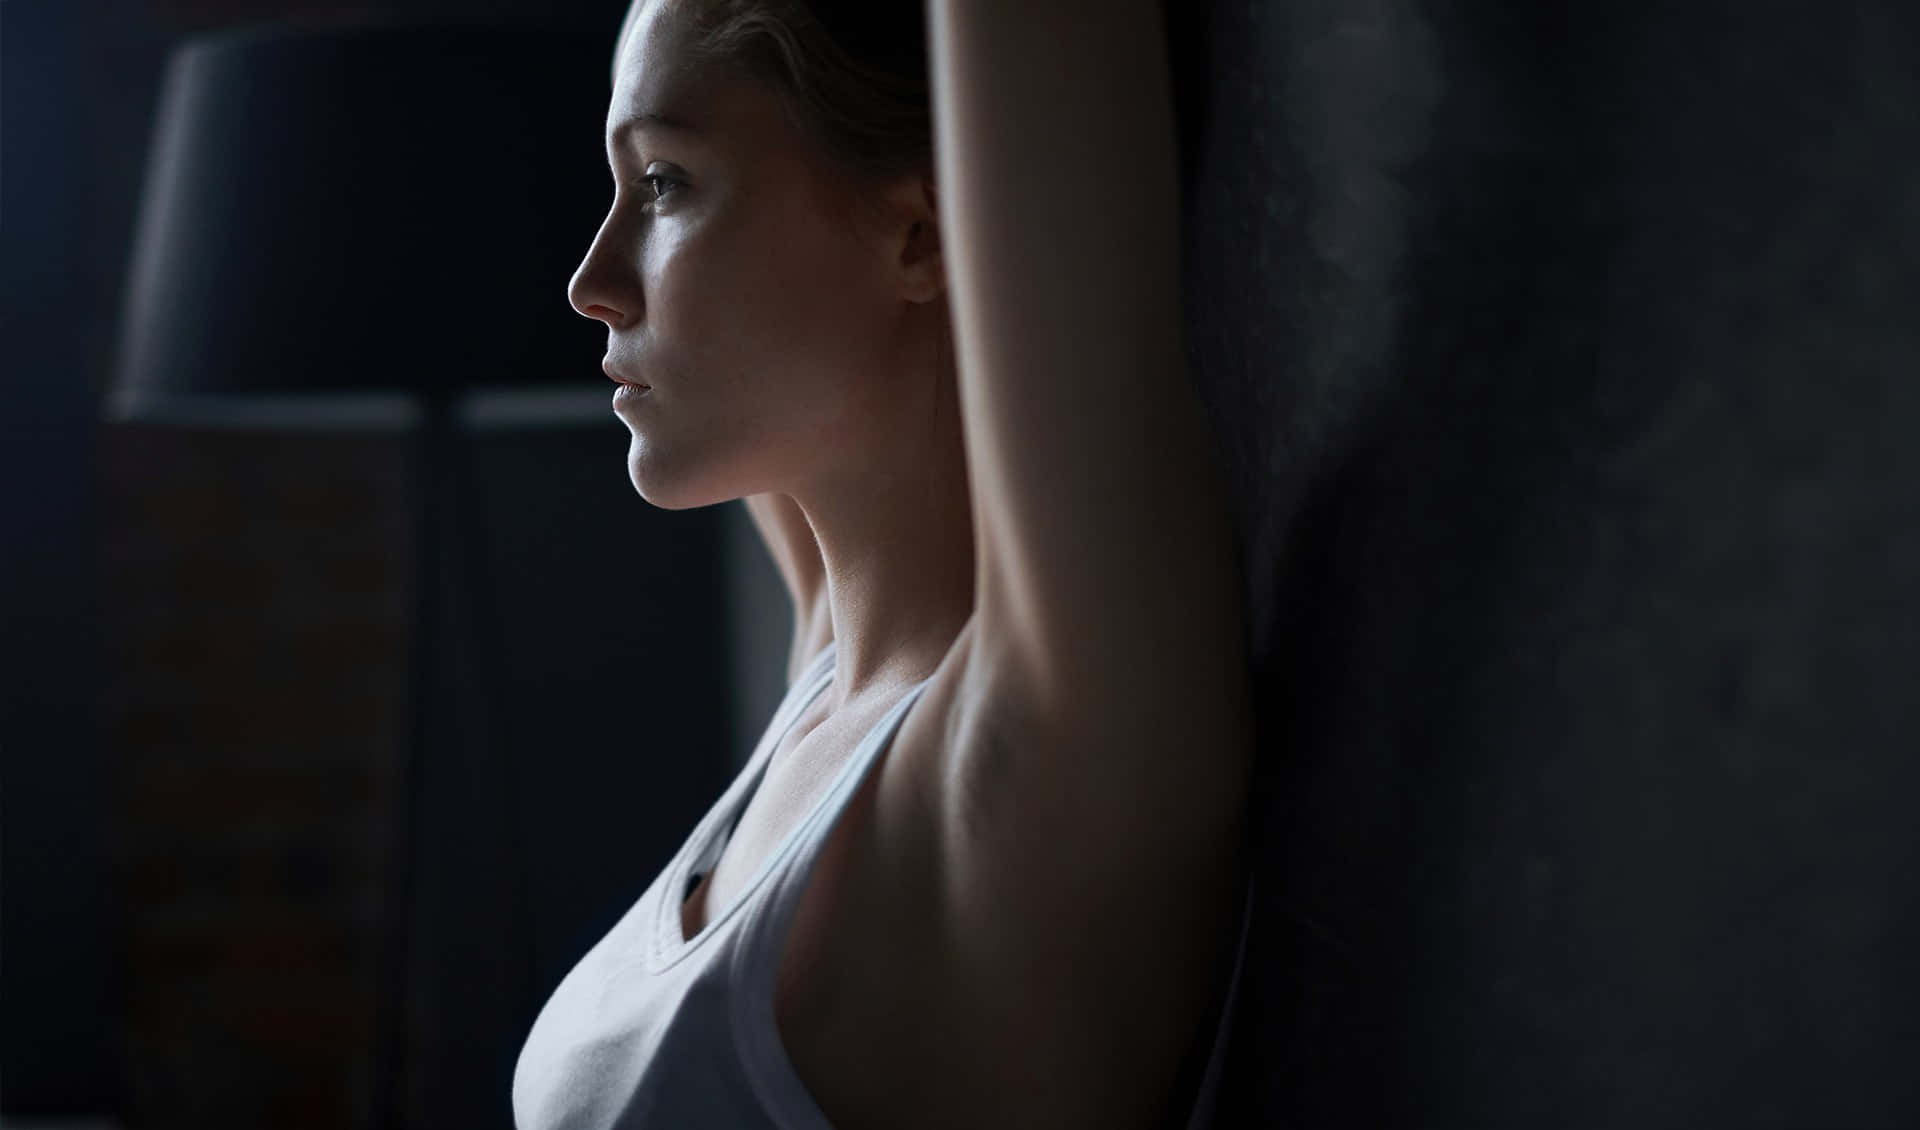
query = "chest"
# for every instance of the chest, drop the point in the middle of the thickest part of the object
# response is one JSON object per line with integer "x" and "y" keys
{"x": 851, "y": 895}
{"x": 857, "y": 989}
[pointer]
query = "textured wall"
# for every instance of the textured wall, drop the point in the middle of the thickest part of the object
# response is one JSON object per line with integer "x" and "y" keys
{"x": 1567, "y": 358}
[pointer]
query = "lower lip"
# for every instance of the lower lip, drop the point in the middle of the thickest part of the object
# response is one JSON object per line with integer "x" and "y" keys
{"x": 627, "y": 394}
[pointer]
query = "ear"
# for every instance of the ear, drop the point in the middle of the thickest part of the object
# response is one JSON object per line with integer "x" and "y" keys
{"x": 913, "y": 234}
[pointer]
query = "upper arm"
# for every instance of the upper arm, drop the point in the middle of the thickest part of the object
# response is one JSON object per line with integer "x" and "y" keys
{"x": 1096, "y": 754}
{"x": 1105, "y": 573}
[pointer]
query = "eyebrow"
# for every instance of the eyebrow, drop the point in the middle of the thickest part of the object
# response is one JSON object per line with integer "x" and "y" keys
{"x": 669, "y": 122}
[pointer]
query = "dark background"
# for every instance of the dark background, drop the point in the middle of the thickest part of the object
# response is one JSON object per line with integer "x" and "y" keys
{"x": 1569, "y": 357}
{"x": 206, "y": 673}
{"x": 1566, "y": 359}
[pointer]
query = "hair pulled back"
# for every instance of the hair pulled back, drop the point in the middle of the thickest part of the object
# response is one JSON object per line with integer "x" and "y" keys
{"x": 854, "y": 73}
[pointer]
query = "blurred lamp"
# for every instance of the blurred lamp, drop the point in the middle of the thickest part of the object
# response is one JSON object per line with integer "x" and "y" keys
{"x": 342, "y": 224}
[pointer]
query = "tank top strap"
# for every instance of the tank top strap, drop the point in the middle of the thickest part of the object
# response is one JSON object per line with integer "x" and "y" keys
{"x": 769, "y": 920}
{"x": 703, "y": 847}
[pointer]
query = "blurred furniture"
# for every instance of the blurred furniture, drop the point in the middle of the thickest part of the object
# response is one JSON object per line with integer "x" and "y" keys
{"x": 372, "y": 227}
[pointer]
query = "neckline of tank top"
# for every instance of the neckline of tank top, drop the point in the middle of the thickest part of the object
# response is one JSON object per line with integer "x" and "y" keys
{"x": 764, "y": 934}
{"x": 668, "y": 944}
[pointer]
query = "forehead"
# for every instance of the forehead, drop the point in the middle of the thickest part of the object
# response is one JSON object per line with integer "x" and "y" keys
{"x": 729, "y": 112}
{"x": 654, "y": 73}
{"x": 649, "y": 62}
{"x": 649, "y": 27}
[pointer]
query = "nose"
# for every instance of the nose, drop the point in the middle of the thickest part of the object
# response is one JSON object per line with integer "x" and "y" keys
{"x": 605, "y": 286}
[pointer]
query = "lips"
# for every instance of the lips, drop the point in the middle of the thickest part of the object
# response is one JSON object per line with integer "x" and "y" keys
{"x": 618, "y": 377}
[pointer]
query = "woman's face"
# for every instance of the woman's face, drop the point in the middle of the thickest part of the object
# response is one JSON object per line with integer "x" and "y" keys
{"x": 734, "y": 281}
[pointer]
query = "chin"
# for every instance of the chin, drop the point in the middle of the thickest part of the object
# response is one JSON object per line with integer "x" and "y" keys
{"x": 665, "y": 495}
{"x": 669, "y": 488}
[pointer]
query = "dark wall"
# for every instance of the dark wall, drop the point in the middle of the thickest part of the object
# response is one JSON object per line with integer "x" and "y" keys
{"x": 1568, "y": 358}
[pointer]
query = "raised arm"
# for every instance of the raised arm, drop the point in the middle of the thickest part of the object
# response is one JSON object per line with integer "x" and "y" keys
{"x": 1105, "y": 570}
{"x": 789, "y": 540}
{"x": 1096, "y": 798}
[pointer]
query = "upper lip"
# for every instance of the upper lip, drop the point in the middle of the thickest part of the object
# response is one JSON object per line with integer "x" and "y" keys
{"x": 615, "y": 375}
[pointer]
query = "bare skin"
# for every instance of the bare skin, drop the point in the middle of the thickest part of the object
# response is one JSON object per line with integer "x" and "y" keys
{"x": 1024, "y": 912}
{"x": 790, "y": 542}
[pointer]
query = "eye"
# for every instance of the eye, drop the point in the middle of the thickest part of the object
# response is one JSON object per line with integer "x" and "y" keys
{"x": 658, "y": 192}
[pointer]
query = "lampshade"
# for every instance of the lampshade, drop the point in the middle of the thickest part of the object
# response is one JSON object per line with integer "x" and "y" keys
{"x": 337, "y": 221}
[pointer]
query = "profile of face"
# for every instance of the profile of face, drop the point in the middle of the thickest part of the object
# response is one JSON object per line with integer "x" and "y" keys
{"x": 768, "y": 300}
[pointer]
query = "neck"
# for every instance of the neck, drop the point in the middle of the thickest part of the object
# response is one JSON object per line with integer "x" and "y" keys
{"x": 896, "y": 541}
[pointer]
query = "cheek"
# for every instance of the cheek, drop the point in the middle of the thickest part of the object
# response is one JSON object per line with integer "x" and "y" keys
{"x": 769, "y": 298}
{"x": 817, "y": 304}
{"x": 710, "y": 298}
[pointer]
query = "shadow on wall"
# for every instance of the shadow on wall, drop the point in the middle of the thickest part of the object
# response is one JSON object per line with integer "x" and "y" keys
{"x": 1563, "y": 364}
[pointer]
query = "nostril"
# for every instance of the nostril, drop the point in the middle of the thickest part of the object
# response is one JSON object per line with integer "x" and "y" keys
{"x": 613, "y": 317}
{"x": 591, "y": 299}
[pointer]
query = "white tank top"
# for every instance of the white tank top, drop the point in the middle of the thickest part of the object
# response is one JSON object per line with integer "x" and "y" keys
{"x": 650, "y": 1030}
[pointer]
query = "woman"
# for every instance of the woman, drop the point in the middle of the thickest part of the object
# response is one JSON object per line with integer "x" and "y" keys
{"x": 984, "y": 868}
